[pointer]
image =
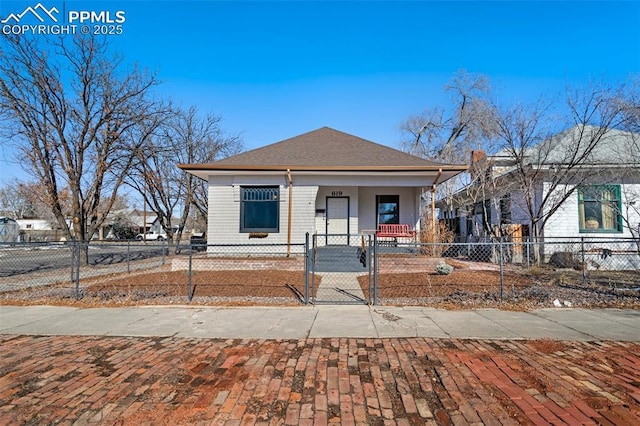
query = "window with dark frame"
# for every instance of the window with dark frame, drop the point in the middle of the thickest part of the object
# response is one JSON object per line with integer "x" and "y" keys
{"x": 388, "y": 209}
{"x": 599, "y": 208}
{"x": 259, "y": 209}
{"x": 505, "y": 209}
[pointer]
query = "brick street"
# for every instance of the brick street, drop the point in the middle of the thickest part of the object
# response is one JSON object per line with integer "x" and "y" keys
{"x": 401, "y": 381}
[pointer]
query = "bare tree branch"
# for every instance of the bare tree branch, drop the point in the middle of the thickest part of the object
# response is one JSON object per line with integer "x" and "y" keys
{"x": 70, "y": 104}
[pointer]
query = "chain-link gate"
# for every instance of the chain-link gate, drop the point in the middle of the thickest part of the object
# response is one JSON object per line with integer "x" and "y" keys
{"x": 341, "y": 269}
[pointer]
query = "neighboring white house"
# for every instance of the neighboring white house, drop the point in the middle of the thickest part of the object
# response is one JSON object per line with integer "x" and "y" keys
{"x": 321, "y": 182}
{"x": 605, "y": 204}
{"x": 9, "y": 230}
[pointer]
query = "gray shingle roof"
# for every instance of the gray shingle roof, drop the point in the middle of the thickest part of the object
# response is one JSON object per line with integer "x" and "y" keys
{"x": 613, "y": 147}
{"x": 323, "y": 149}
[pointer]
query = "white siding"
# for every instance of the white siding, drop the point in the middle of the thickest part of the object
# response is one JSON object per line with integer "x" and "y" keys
{"x": 565, "y": 222}
{"x": 309, "y": 204}
{"x": 409, "y": 211}
{"x": 224, "y": 215}
{"x": 321, "y": 204}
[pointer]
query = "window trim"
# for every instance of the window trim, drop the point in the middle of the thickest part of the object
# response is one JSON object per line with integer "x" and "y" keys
{"x": 246, "y": 230}
{"x": 617, "y": 209}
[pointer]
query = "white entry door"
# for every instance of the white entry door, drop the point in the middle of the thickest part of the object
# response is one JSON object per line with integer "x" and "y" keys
{"x": 338, "y": 215}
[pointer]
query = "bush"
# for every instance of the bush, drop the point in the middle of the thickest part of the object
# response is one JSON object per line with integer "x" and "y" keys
{"x": 563, "y": 259}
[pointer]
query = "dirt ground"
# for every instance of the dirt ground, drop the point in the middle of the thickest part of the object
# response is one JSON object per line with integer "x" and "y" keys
{"x": 466, "y": 287}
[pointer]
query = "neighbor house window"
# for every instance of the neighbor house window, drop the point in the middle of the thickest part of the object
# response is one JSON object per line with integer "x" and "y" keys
{"x": 259, "y": 209}
{"x": 505, "y": 209}
{"x": 599, "y": 208}
{"x": 388, "y": 208}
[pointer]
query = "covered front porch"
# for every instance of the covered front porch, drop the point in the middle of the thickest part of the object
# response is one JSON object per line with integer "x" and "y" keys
{"x": 349, "y": 210}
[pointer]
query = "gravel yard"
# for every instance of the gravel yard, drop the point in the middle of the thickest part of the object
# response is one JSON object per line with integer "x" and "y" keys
{"x": 467, "y": 287}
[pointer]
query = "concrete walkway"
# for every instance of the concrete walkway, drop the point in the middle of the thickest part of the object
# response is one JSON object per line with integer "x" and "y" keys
{"x": 323, "y": 321}
{"x": 340, "y": 287}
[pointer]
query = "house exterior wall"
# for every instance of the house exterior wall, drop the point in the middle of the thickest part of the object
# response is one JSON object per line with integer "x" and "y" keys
{"x": 224, "y": 213}
{"x": 336, "y": 191}
{"x": 309, "y": 205}
{"x": 34, "y": 225}
{"x": 409, "y": 212}
{"x": 565, "y": 221}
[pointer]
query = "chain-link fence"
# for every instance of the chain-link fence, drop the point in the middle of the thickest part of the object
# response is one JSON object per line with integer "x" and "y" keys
{"x": 245, "y": 273}
{"x": 74, "y": 269}
{"x": 494, "y": 270}
{"x": 323, "y": 269}
{"x": 154, "y": 272}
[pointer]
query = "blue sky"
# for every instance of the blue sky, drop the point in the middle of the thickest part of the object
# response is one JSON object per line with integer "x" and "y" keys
{"x": 274, "y": 70}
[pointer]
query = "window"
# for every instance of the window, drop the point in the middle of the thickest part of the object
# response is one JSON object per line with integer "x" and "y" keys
{"x": 505, "y": 209}
{"x": 388, "y": 208}
{"x": 599, "y": 208}
{"x": 259, "y": 209}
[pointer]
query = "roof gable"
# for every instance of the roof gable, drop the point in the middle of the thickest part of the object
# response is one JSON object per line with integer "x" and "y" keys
{"x": 325, "y": 147}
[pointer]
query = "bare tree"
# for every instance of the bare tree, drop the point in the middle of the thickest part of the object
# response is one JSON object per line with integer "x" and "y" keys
{"x": 69, "y": 104}
{"x": 449, "y": 135}
{"x": 186, "y": 138}
{"x": 20, "y": 200}
{"x": 560, "y": 162}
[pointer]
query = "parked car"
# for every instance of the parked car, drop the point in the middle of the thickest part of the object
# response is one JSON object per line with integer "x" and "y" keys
{"x": 152, "y": 236}
{"x": 199, "y": 242}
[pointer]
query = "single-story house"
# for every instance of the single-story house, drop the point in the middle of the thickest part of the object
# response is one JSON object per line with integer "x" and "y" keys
{"x": 321, "y": 182}
{"x": 135, "y": 221}
{"x": 598, "y": 199}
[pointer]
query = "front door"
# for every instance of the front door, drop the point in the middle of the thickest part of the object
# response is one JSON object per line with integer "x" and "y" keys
{"x": 338, "y": 220}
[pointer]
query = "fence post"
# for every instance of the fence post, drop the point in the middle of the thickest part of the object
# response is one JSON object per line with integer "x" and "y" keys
{"x": 528, "y": 252}
{"x": 129, "y": 256}
{"x": 306, "y": 268}
{"x": 189, "y": 286}
{"x": 163, "y": 248}
{"x": 584, "y": 263}
{"x": 375, "y": 269}
{"x": 501, "y": 271}
{"x": 72, "y": 278}
{"x": 369, "y": 247}
{"x": 79, "y": 253}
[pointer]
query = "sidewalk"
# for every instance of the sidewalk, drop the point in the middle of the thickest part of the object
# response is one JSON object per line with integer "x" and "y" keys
{"x": 323, "y": 321}
{"x": 397, "y": 366}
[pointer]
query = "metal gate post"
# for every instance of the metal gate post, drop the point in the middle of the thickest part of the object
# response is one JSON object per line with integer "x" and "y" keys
{"x": 501, "y": 271}
{"x": 314, "y": 246}
{"x": 306, "y": 268}
{"x": 370, "y": 270}
{"x": 375, "y": 269}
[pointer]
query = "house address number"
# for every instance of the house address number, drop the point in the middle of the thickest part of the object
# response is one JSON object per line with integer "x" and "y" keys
{"x": 336, "y": 193}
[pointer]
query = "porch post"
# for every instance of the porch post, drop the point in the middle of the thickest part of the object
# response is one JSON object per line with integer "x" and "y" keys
{"x": 433, "y": 201}
{"x": 290, "y": 211}
{"x": 433, "y": 208}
